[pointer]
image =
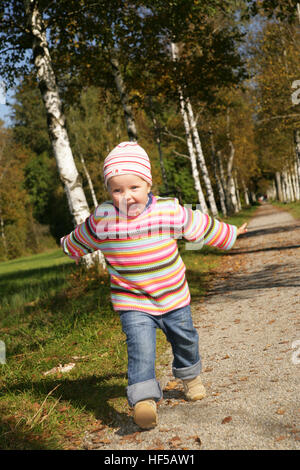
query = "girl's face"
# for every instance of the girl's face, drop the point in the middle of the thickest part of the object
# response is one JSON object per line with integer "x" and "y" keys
{"x": 129, "y": 193}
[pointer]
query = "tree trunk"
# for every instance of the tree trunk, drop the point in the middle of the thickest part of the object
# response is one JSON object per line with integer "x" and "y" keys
{"x": 129, "y": 118}
{"x": 271, "y": 191}
{"x": 189, "y": 140}
{"x": 237, "y": 192}
{"x": 56, "y": 120}
{"x": 296, "y": 181}
{"x": 89, "y": 179}
{"x": 284, "y": 188}
{"x": 279, "y": 186}
{"x": 297, "y": 150}
{"x": 232, "y": 202}
{"x": 201, "y": 160}
{"x": 217, "y": 177}
{"x": 246, "y": 194}
{"x": 221, "y": 170}
{"x": 3, "y": 236}
{"x": 291, "y": 186}
{"x": 190, "y": 145}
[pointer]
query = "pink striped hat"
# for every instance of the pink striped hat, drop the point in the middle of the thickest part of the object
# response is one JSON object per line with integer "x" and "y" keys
{"x": 127, "y": 158}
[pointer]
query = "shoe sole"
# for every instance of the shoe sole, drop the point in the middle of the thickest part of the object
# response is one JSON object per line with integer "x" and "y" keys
{"x": 196, "y": 397}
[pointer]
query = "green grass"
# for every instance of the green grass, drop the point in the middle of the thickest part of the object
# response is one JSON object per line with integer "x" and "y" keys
{"x": 53, "y": 312}
{"x": 292, "y": 207}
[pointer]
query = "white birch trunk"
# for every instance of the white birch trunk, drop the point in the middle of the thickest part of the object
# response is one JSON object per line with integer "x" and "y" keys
{"x": 279, "y": 186}
{"x": 237, "y": 192}
{"x": 230, "y": 186}
{"x": 191, "y": 150}
{"x": 89, "y": 180}
{"x": 286, "y": 185}
{"x": 56, "y": 120}
{"x": 189, "y": 140}
{"x": 246, "y": 194}
{"x": 231, "y": 193}
{"x": 297, "y": 151}
{"x": 217, "y": 177}
{"x": 129, "y": 118}
{"x": 201, "y": 160}
{"x": 296, "y": 181}
{"x": 283, "y": 185}
{"x": 3, "y": 236}
{"x": 271, "y": 192}
{"x": 290, "y": 185}
{"x": 221, "y": 170}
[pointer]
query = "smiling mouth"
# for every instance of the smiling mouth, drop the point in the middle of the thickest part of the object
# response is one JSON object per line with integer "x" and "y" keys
{"x": 134, "y": 209}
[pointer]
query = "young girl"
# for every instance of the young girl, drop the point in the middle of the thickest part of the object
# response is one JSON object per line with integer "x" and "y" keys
{"x": 137, "y": 231}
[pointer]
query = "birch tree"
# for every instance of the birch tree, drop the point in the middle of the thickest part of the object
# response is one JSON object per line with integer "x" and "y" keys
{"x": 124, "y": 98}
{"x": 189, "y": 139}
{"x": 36, "y": 34}
{"x": 201, "y": 160}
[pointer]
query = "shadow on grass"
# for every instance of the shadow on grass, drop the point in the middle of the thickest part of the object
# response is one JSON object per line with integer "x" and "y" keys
{"x": 26, "y": 278}
{"x": 93, "y": 393}
{"x": 14, "y": 438}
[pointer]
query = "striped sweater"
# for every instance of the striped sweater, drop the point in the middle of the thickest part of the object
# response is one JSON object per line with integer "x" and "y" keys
{"x": 146, "y": 270}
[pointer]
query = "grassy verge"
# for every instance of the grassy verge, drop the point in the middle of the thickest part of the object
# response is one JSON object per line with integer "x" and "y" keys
{"x": 53, "y": 312}
{"x": 293, "y": 208}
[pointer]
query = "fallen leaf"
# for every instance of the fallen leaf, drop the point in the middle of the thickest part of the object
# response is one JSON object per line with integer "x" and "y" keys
{"x": 131, "y": 437}
{"x": 60, "y": 369}
{"x": 280, "y": 438}
{"x": 280, "y": 411}
{"x": 171, "y": 385}
{"x": 243, "y": 379}
{"x": 225, "y": 357}
{"x": 175, "y": 441}
{"x": 104, "y": 441}
{"x": 226, "y": 420}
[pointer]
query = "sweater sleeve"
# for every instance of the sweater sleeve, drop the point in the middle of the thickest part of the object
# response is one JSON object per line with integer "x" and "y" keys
{"x": 198, "y": 227}
{"x": 86, "y": 237}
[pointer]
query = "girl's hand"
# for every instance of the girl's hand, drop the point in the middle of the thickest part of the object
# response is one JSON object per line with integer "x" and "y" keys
{"x": 242, "y": 229}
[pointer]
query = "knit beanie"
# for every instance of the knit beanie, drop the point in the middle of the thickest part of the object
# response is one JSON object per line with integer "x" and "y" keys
{"x": 127, "y": 158}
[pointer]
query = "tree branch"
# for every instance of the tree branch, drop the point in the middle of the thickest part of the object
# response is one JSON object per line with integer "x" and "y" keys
{"x": 170, "y": 134}
{"x": 181, "y": 155}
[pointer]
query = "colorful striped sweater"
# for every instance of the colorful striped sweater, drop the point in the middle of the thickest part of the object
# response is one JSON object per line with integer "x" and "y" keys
{"x": 146, "y": 270}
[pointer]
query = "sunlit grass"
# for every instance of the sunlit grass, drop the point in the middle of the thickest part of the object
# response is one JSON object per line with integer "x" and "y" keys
{"x": 292, "y": 207}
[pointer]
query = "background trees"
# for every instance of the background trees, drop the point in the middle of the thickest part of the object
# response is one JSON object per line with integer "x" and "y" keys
{"x": 216, "y": 116}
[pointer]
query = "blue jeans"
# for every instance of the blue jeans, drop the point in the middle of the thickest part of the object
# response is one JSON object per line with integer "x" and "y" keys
{"x": 140, "y": 330}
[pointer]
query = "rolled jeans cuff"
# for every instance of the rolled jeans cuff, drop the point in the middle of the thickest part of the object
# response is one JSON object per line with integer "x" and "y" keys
{"x": 143, "y": 391}
{"x": 190, "y": 372}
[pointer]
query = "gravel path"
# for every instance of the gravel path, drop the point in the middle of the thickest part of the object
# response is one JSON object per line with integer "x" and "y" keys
{"x": 248, "y": 325}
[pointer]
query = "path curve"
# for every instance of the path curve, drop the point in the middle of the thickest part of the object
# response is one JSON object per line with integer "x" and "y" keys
{"x": 249, "y": 329}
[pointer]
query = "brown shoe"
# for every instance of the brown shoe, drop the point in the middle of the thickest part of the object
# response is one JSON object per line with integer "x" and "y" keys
{"x": 194, "y": 389}
{"x": 145, "y": 414}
